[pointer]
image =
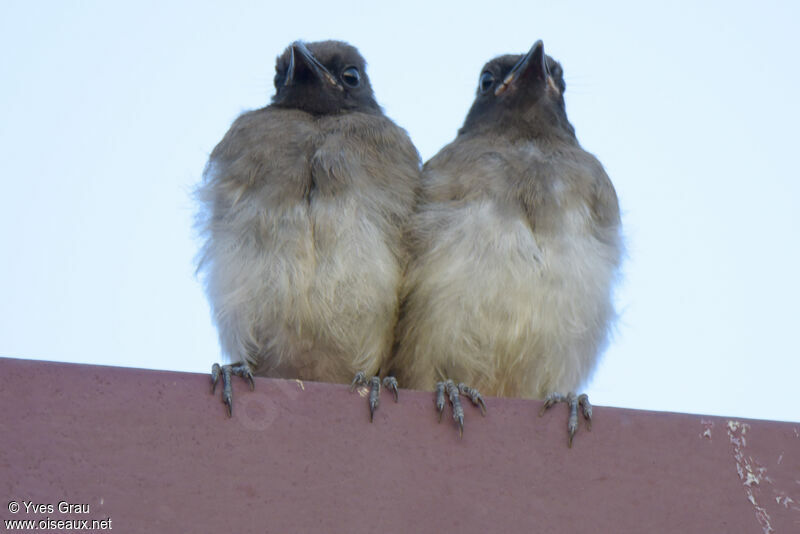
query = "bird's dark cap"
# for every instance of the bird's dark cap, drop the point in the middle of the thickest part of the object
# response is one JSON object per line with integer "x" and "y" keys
{"x": 302, "y": 58}
{"x": 520, "y": 94}
{"x": 534, "y": 64}
{"x": 323, "y": 78}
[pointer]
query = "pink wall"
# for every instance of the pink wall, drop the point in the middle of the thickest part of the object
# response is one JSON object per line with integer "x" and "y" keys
{"x": 154, "y": 452}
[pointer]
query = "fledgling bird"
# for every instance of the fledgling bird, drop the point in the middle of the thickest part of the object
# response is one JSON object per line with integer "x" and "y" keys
{"x": 516, "y": 247}
{"x": 303, "y": 205}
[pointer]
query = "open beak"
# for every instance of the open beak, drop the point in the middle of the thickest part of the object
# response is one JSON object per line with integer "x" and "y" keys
{"x": 302, "y": 59}
{"x": 533, "y": 64}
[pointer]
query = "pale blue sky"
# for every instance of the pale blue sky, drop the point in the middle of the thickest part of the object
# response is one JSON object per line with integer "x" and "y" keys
{"x": 108, "y": 111}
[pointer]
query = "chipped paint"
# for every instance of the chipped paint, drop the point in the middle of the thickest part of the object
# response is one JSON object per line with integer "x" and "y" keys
{"x": 300, "y": 383}
{"x": 787, "y": 502}
{"x": 750, "y": 472}
{"x": 752, "y": 479}
{"x": 707, "y": 426}
{"x": 761, "y": 514}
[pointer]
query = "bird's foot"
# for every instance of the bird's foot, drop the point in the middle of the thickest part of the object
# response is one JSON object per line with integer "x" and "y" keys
{"x": 573, "y": 401}
{"x": 374, "y": 384}
{"x": 226, "y": 371}
{"x": 454, "y": 393}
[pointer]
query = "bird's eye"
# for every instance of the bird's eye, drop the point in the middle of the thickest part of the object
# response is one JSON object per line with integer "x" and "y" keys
{"x": 486, "y": 82}
{"x": 351, "y": 77}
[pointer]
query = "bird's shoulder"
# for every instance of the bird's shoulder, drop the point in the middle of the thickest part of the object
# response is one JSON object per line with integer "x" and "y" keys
{"x": 269, "y": 126}
{"x": 373, "y": 137}
{"x": 584, "y": 173}
{"x": 374, "y": 128}
{"x": 537, "y": 173}
{"x": 468, "y": 168}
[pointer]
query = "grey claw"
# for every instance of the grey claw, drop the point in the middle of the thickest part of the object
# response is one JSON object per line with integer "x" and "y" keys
{"x": 243, "y": 370}
{"x": 439, "y": 399}
{"x": 374, "y": 396}
{"x": 455, "y": 402}
{"x": 550, "y": 400}
{"x": 227, "y": 391}
{"x": 251, "y": 381}
{"x": 572, "y": 424}
{"x": 390, "y": 383}
{"x": 358, "y": 380}
{"x": 586, "y": 408}
{"x": 573, "y": 401}
{"x": 374, "y": 384}
{"x": 225, "y": 372}
{"x": 474, "y": 396}
{"x": 215, "y": 372}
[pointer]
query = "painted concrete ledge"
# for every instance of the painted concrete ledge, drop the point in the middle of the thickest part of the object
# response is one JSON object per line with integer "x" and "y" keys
{"x": 154, "y": 452}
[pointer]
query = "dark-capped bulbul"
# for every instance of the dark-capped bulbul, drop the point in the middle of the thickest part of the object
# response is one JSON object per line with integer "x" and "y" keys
{"x": 516, "y": 248}
{"x": 303, "y": 205}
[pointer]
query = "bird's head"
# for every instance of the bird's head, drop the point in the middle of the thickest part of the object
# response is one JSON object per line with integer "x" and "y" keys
{"x": 322, "y": 78}
{"x": 523, "y": 94}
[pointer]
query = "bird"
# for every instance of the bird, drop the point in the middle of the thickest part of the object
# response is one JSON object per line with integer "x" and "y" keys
{"x": 516, "y": 247}
{"x": 302, "y": 208}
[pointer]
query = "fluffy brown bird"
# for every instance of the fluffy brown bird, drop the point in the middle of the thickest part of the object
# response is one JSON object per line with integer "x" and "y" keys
{"x": 303, "y": 205}
{"x": 516, "y": 247}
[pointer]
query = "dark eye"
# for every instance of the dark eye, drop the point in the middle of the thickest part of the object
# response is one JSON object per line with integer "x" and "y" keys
{"x": 486, "y": 82}
{"x": 351, "y": 77}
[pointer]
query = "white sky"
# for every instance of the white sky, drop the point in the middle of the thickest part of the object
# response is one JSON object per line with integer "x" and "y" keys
{"x": 108, "y": 111}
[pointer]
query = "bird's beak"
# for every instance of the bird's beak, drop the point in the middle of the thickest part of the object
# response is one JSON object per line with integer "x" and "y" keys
{"x": 532, "y": 64}
{"x": 301, "y": 58}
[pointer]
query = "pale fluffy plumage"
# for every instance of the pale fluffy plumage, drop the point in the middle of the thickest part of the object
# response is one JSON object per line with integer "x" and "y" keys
{"x": 302, "y": 215}
{"x": 516, "y": 248}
